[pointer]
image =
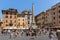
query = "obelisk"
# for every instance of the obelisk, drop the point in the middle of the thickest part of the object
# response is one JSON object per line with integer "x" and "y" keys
{"x": 33, "y": 25}
{"x": 33, "y": 18}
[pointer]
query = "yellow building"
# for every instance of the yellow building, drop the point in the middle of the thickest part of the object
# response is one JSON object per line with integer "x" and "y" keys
{"x": 22, "y": 21}
{"x": 9, "y": 18}
{"x": 13, "y": 20}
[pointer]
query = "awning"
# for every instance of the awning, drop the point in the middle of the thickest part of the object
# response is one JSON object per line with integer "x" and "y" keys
{"x": 10, "y": 28}
{"x": 14, "y": 28}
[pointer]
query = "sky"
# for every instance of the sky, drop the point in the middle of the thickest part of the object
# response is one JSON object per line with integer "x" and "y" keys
{"x": 21, "y": 5}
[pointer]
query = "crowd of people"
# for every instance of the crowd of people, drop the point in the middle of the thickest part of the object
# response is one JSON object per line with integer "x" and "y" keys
{"x": 17, "y": 33}
{"x": 10, "y": 33}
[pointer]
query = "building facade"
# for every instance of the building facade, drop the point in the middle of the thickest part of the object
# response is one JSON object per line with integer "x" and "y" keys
{"x": 1, "y": 25}
{"x": 22, "y": 21}
{"x": 9, "y": 18}
{"x": 12, "y": 19}
{"x": 28, "y": 16}
{"x": 40, "y": 19}
{"x": 51, "y": 17}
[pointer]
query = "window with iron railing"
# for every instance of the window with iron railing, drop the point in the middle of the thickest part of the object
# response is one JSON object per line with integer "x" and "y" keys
{"x": 54, "y": 22}
{"x": 6, "y": 24}
{"x": 6, "y": 16}
{"x": 6, "y": 13}
{"x": 59, "y": 16}
{"x": 59, "y": 11}
{"x": 59, "y": 21}
{"x": 54, "y": 18}
{"x": 10, "y": 21}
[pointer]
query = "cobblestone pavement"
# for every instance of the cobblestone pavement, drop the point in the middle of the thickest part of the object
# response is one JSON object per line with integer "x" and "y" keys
{"x": 41, "y": 37}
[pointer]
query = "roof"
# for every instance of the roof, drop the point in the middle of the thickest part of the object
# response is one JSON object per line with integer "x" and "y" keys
{"x": 10, "y": 10}
{"x": 56, "y": 4}
{"x": 26, "y": 11}
{"x": 39, "y": 14}
{"x": 20, "y": 15}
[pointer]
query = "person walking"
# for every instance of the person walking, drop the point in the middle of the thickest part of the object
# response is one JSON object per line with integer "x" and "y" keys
{"x": 51, "y": 35}
{"x": 40, "y": 32}
{"x": 11, "y": 34}
{"x": 22, "y": 33}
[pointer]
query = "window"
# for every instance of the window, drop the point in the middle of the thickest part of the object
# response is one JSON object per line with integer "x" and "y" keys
{"x": 59, "y": 21}
{"x": 28, "y": 17}
{"x": 54, "y": 17}
{"x": 54, "y": 22}
{"x": 46, "y": 16}
{"x": 43, "y": 22}
{"x": 6, "y": 13}
{"x": 10, "y": 21}
{"x": 11, "y": 24}
{"x": 6, "y": 24}
{"x": 6, "y": 16}
{"x": 14, "y": 13}
{"x": 18, "y": 19}
{"x": 6, "y": 21}
{"x": 23, "y": 19}
{"x": 54, "y": 13}
{"x": 28, "y": 22}
{"x": 59, "y": 11}
{"x": 43, "y": 17}
{"x": 23, "y": 25}
{"x": 10, "y": 16}
{"x": 18, "y": 24}
{"x": 22, "y": 16}
{"x": 59, "y": 16}
{"x": 50, "y": 26}
{"x": 15, "y": 21}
